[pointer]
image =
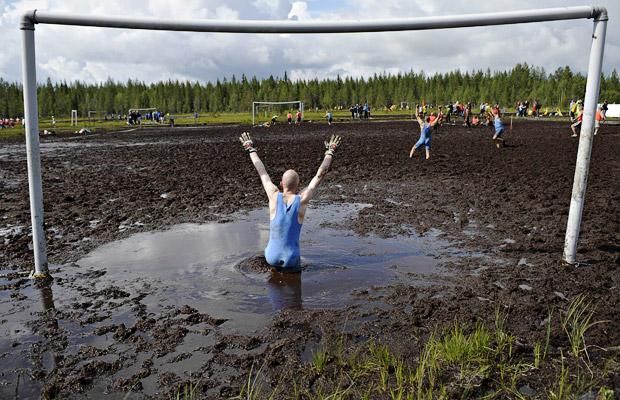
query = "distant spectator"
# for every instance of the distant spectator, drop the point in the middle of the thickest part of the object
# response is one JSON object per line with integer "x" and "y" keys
{"x": 577, "y": 123}
{"x": 604, "y": 109}
{"x": 572, "y": 111}
{"x": 466, "y": 115}
{"x": 600, "y": 116}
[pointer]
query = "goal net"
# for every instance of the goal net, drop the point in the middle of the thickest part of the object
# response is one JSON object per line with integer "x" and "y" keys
{"x": 265, "y": 110}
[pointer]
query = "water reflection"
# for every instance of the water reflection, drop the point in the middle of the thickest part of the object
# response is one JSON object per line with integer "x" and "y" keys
{"x": 47, "y": 297}
{"x": 284, "y": 290}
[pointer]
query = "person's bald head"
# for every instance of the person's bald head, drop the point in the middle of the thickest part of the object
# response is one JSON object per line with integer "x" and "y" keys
{"x": 290, "y": 181}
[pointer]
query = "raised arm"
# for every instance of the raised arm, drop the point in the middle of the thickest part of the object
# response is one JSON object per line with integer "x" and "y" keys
{"x": 248, "y": 145}
{"x": 331, "y": 146}
{"x": 417, "y": 115}
{"x": 438, "y": 119}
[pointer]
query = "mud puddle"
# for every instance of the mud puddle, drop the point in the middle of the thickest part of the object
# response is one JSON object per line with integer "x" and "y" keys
{"x": 204, "y": 266}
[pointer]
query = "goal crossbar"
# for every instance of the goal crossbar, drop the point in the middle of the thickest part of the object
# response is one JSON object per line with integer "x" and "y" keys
{"x": 340, "y": 26}
{"x": 30, "y": 18}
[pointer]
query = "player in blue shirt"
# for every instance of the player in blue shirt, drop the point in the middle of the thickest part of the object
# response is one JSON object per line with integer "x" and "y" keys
{"x": 287, "y": 208}
{"x": 330, "y": 117}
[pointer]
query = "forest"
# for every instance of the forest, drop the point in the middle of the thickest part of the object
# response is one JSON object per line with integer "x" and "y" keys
{"x": 235, "y": 94}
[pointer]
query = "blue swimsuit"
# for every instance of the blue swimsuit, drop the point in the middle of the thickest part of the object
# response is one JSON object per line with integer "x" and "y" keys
{"x": 425, "y": 137}
{"x": 284, "y": 230}
{"x": 499, "y": 127}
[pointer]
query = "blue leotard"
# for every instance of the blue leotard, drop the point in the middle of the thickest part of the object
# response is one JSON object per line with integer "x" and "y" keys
{"x": 499, "y": 126}
{"x": 284, "y": 230}
{"x": 425, "y": 137}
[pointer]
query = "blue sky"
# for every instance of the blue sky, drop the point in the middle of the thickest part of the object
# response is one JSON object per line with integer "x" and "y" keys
{"x": 94, "y": 54}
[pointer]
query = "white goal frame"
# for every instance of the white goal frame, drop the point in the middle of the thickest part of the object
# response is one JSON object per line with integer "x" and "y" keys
{"x": 31, "y": 18}
{"x": 74, "y": 118}
{"x": 255, "y": 104}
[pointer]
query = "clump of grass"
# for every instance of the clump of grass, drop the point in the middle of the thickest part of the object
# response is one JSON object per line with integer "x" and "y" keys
{"x": 537, "y": 354}
{"x": 547, "y": 334}
{"x": 459, "y": 348}
{"x": 319, "y": 360}
{"x": 562, "y": 388}
{"x": 188, "y": 392}
{"x": 605, "y": 394}
{"x": 577, "y": 322}
{"x": 252, "y": 389}
{"x": 503, "y": 340}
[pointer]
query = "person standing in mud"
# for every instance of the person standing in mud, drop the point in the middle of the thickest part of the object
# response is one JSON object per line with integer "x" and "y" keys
{"x": 330, "y": 117}
{"x": 287, "y": 208}
{"x": 426, "y": 127}
{"x": 496, "y": 117}
{"x": 577, "y": 123}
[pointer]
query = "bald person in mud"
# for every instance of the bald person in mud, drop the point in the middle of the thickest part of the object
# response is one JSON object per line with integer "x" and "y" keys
{"x": 287, "y": 208}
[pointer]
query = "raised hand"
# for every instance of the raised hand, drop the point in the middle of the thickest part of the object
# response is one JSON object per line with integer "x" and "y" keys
{"x": 332, "y": 145}
{"x": 246, "y": 142}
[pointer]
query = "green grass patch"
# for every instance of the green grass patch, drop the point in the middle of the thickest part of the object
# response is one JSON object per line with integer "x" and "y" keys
{"x": 459, "y": 362}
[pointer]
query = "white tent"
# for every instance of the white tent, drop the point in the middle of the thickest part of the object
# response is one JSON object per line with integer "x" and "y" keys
{"x": 613, "y": 110}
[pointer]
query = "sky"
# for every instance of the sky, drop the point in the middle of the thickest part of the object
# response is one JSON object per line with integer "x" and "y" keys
{"x": 95, "y": 54}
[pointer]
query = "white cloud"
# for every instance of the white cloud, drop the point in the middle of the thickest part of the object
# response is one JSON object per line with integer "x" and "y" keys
{"x": 94, "y": 54}
{"x": 299, "y": 10}
{"x": 274, "y": 8}
{"x": 223, "y": 12}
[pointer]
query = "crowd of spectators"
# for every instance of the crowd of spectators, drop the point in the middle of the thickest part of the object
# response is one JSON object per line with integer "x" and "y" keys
{"x": 360, "y": 111}
{"x": 10, "y": 123}
{"x": 135, "y": 117}
{"x": 522, "y": 108}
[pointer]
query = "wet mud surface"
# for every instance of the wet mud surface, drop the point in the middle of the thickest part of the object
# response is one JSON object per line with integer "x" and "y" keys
{"x": 452, "y": 237}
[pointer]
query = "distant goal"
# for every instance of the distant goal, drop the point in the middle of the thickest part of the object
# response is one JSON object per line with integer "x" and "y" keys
{"x": 271, "y": 108}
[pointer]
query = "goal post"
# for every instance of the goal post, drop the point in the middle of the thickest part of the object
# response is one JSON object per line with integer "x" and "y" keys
{"x": 30, "y": 18}
{"x": 299, "y": 105}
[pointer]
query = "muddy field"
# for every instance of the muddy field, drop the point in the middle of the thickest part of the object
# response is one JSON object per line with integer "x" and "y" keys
{"x": 470, "y": 230}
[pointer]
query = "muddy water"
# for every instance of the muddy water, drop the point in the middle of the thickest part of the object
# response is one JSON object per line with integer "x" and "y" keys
{"x": 203, "y": 265}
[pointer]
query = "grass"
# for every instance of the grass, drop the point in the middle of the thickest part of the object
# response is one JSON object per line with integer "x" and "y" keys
{"x": 457, "y": 362}
{"x": 252, "y": 389}
{"x": 187, "y": 392}
{"x": 319, "y": 360}
{"x": 577, "y": 322}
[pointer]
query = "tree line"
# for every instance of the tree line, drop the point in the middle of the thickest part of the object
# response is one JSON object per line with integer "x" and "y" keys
{"x": 523, "y": 82}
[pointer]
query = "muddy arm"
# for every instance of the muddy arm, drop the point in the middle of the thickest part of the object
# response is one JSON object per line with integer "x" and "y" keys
{"x": 331, "y": 147}
{"x": 417, "y": 115}
{"x": 438, "y": 119}
{"x": 310, "y": 191}
{"x": 248, "y": 146}
{"x": 269, "y": 187}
